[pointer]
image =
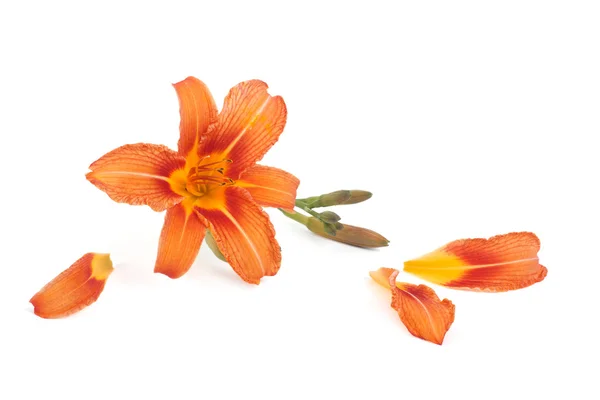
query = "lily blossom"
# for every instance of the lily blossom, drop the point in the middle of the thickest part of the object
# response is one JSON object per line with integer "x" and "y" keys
{"x": 212, "y": 182}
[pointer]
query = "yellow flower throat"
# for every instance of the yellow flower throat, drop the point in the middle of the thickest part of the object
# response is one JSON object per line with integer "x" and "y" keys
{"x": 201, "y": 179}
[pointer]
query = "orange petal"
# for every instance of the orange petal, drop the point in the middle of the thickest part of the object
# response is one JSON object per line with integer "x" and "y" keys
{"x": 138, "y": 174}
{"x": 249, "y": 124}
{"x": 244, "y": 235}
{"x": 419, "y": 308}
{"x": 382, "y": 276}
{"x": 75, "y": 288}
{"x": 197, "y": 110}
{"x": 501, "y": 263}
{"x": 270, "y": 187}
{"x": 180, "y": 240}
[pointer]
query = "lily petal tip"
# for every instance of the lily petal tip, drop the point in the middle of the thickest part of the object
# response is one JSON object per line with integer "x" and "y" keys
{"x": 169, "y": 273}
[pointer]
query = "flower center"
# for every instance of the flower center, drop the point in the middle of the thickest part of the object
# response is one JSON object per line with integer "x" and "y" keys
{"x": 203, "y": 178}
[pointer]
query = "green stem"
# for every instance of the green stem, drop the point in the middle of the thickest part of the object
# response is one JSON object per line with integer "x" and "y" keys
{"x": 303, "y": 219}
{"x": 309, "y": 201}
{"x": 300, "y": 204}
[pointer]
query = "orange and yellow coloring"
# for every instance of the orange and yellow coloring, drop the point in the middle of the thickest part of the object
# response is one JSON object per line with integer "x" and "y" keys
{"x": 422, "y": 312}
{"x": 75, "y": 288}
{"x": 212, "y": 182}
{"x": 500, "y": 263}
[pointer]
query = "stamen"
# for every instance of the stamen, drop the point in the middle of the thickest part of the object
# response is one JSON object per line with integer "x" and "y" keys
{"x": 213, "y": 163}
{"x": 204, "y": 179}
{"x": 202, "y": 159}
{"x": 201, "y": 177}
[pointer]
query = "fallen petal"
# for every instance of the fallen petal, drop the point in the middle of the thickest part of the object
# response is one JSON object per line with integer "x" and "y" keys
{"x": 75, "y": 288}
{"x": 419, "y": 308}
{"x": 382, "y": 276}
{"x": 501, "y": 263}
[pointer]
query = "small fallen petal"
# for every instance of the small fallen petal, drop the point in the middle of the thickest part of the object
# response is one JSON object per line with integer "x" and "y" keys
{"x": 420, "y": 309}
{"x": 75, "y": 288}
{"x": 382, "y": 276}
{"x": 501, "y": 263}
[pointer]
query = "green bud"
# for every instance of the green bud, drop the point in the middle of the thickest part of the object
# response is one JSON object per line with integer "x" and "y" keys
{"x": 330, "y": 217}
{"x": 329, "y": 228}
{"x": 358, "y": 196}
{"x": 352, "y": 235}
{"x": 337, "y": 198}
{"x": 333, "y": 198}
{"x": 212, "y": 244}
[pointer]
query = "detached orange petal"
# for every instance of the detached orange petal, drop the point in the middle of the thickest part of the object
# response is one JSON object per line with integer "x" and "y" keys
{"x": 419, "y": 308}
{"x": 244, "y": 235}
{"x": 270, "y": 187}
{"x": 197, "y": 110}
{"x": 138, "y": 174}
{"x": 501, "y": 263}
{"x": 249, "y": 124}
{"x": 180, "y": 240}
{"x": 75, "y": 288}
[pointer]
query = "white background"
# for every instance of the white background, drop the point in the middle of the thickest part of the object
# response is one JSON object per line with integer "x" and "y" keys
{"x": 464, "y": 118}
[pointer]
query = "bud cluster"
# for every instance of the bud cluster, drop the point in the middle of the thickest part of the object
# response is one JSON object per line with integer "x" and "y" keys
{"x": 327, "y": 223}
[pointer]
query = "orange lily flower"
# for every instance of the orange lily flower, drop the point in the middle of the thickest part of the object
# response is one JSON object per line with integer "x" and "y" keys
{"x": 212, "y": 182}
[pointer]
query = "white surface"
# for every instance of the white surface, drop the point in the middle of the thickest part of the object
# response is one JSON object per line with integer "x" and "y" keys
{"x": 465, "y": 119}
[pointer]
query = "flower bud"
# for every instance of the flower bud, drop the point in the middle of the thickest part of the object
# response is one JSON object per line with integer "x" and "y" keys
{"x": 358, "y": 196}
{"x": 352, "y": 235}
{"x": 338, "y": 198}
{"x": 212, "y": 244}
{"x": 329, "y": 228}
{"x": 330, "y": 217}
{"x": 332, "y": 199}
